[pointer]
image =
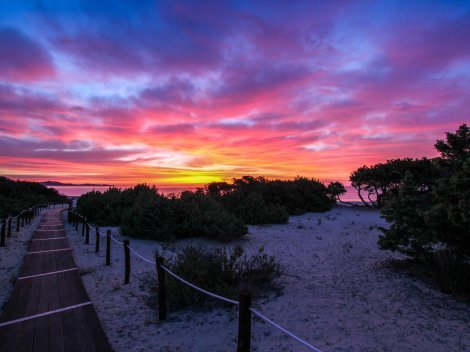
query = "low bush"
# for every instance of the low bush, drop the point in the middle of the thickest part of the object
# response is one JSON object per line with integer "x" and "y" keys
{"x": 142, "y": 212}
{"x": 219, "y": 211}
{"x": 222, "y": 271}
{"x": 16, "y": 196}
{"x": 452, "y": 273}
{"x": 257, "y": 200}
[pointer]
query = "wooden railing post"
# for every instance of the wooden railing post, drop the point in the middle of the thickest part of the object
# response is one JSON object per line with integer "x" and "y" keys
{"x": 161, "y": 288}
{"x": 244, "y": 321}
{"x": 87, "y": 234}
{"x": 69, "y": 217}
{"x": 108, "y": 247}
{"x": 97, "y": 241}
{"x": 22, "y": 220}
{"x": 127, "y": 262}
{"x": 83, "y": 227}
{"x": 76, "y": 222}
{"x": 2, "y": 233}
{"x": 17, "y": 224}
{"x": 9, "y": 227}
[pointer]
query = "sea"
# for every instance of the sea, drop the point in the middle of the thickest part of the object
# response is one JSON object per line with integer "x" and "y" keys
{"x": 77, "y": 191}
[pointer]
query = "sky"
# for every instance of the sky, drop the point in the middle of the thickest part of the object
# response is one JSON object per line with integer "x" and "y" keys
{"x": 189, "y": 92}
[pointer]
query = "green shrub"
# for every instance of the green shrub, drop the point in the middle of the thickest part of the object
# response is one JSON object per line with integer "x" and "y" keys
{"x": 254, "y": 210}
{"x": 142, "y": 212}
{"x": 16, "y": 196}
{"x": 431, "y": 211}
{"x": 221, "y": 271}
{"x": 219, "y": 212}
{"x": 436, "y": 213}
{"x": 452, "y": 273}
{"x": 258, "y": 200}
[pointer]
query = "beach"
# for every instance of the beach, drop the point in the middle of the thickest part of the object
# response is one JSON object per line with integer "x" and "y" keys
{"x": 339, "y": 293}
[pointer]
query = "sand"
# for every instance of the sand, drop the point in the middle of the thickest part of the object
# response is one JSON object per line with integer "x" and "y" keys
{"x": 11, "y": 257}
{"x": 338, "y": 294}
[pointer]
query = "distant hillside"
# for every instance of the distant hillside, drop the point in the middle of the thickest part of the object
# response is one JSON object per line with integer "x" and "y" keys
{"x": 56, "y": 183}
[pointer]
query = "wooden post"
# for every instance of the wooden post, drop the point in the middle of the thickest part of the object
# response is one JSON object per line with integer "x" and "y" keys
{"x": 2, "y": 233}
{"x": 127, "y": 262}
{"x": 97, "y": 241}
{"x": 69, "y": 217}
{"x": 83, "y": 227}
{"x": 9, "y": 227}
{"x": 87, "y": 234}
{"x": 161, "y": 288}
{"x": 108, "y": 247}
{"x": 244, "y": 321}
{"x": 17, "y": 223}
{"x": 22, "y": 220}
{"x": 76, "y": 222}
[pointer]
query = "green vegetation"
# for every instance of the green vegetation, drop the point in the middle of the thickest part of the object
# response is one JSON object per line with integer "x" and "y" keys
{"x": 144, "y": 213}
{"x": 382, "y": 182}
{"x": 222, "y": 271}
{"x": 262, "y": 201}
{"x": 427, "y": 203}
{"x": 335, "y": 190}
{"x": 219, "y": 211}
{"x": 16, "y": 196}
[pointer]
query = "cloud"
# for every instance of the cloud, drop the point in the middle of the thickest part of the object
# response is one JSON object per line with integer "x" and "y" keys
{"x": 146, "y": 88}
{"x": 23, "y": 59}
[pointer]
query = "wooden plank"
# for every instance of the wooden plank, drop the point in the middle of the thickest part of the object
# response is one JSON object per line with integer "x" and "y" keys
{"x": 41, "y": 337}
{"x": 55, "y": 334}
{"x": 75, "y": 330}
{"x": 9, "y": 337}
{"x": 26, "y": 338}
{"x": 99, "y": 337}
{"x": 84, "y": 333}
{"x": 71, "y": 342}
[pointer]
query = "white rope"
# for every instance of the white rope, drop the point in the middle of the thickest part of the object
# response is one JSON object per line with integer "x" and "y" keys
{"x": 91, "y": 227}
{"x": 198, "y": 288}
{"x": 45, "y": 274}
{"x": 277, "y": 326}
{"x": 51, "y": 250}
{"x": 44, "y": 314}
{"x": 115, "y": 240}
{"x": 48, "y": 239}
{"x": 141, "y": 257}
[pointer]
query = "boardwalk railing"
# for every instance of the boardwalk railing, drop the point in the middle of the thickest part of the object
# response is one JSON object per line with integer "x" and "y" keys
{"x": 25, "y": 217}
{"x": 245, "y": 311}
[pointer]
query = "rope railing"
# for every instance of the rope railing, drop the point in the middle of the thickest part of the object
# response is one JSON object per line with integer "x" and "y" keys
{"x": 244, "y": 303}
{"x": 228, "y": 300}
{"x": 141, "y": 257}
{"x": 23, "y": 218}
{"x": 118, "y": 242}
{"x": 285, "y": 331}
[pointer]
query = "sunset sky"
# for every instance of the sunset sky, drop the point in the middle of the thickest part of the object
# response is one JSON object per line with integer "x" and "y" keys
{"x": 173, "y": 93}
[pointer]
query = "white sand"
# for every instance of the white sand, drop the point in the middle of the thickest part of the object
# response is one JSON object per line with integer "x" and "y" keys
{"x": 338, "y": 295}
{"x": 11, "y": 257}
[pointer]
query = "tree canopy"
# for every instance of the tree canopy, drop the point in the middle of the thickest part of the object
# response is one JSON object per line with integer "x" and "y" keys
{"x": 432, "y": 211}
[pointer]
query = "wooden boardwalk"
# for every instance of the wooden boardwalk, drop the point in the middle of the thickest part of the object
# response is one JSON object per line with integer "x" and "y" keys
{"x": 49, "y": 309}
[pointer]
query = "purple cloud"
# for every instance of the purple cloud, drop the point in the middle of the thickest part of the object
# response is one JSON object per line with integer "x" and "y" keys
{"x": 22, "y": 59}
